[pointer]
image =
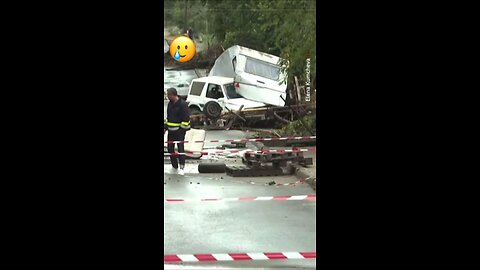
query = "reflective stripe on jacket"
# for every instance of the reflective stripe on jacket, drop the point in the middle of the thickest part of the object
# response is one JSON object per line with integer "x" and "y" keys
{"x": 178, "y": 116}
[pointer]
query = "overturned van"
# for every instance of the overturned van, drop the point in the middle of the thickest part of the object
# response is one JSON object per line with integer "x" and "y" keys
{"x": 257, "y": 75}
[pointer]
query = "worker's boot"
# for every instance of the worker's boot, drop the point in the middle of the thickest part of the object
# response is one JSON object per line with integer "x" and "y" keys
{"x": 181, "y": 171}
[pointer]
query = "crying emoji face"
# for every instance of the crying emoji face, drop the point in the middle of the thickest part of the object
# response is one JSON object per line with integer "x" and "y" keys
{"x": 182, "y": 49}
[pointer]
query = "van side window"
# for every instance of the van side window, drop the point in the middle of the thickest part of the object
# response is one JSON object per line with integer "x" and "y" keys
{"x": 234, "y": 62}
{"x": 214, "y": 91}
{"x": 197, "y": 88}
{"x": 262, "y": 69}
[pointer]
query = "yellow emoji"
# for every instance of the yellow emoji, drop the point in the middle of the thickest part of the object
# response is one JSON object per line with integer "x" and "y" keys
{"x": 182, "y": 49}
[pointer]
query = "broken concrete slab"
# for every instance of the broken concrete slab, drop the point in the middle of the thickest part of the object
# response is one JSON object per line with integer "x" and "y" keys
{"x": 309, "y": 173}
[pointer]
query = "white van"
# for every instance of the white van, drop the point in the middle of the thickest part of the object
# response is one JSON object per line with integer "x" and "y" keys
{"x": 220, "y": 90}
{"x": 257, "y": 75}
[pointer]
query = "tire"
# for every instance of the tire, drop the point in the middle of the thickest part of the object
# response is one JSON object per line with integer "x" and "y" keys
{"x": 211, "y": 168}
{"x": 212, "y": 110}
{"x": 229, "y": 145}
{"x": 194, "y": 110}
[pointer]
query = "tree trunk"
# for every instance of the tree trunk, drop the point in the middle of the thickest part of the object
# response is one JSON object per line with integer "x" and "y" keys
{"x": 299, "y": 98}
{"x": 185, "y": 20}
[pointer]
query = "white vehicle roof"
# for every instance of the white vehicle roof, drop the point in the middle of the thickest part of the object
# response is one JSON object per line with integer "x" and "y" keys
{"x": 235, "y": 50}
{"x": 215, "y": 79}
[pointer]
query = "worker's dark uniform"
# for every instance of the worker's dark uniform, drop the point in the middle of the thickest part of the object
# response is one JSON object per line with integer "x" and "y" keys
{"x": 177, "y": 123}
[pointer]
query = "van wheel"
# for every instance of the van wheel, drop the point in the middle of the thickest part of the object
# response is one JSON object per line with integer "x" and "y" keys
{"x": 211, "y": 167}
{"x": 212, "y": 110}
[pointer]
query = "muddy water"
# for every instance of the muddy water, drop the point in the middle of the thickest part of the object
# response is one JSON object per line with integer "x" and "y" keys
{"x": 181, "y": 75}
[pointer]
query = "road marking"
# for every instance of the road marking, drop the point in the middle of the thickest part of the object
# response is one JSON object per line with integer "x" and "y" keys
{"x": 254, "y": 256}
{"x": 311, "y": 197}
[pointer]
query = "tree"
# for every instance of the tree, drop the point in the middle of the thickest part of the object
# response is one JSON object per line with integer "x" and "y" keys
{"x": 286, "y": 28}
{"x": 295, "y": 34}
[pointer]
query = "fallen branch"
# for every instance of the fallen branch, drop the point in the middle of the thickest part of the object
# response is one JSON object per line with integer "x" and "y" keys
{"x": 280, "y": 118}
{"x": 269, "y": 131}
{"x": 229, "y": 125}
{"x": 237, "y": 113}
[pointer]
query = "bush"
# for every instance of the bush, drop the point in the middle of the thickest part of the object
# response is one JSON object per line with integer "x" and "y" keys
{"x": 296, "y": 128}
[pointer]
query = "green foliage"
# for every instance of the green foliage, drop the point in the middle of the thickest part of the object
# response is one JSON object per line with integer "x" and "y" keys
{"x": 296, "y": 128}
{"x": 280, "y": 27}
{"x": 209, "y": 39}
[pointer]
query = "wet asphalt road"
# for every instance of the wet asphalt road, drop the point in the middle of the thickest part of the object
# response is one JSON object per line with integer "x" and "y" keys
{"x": 236, "y": 227}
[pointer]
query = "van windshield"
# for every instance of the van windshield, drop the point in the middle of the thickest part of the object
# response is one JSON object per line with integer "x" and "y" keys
{"x": 231, "y": 92}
